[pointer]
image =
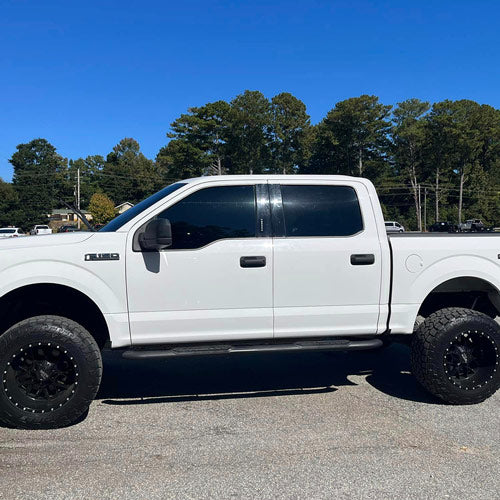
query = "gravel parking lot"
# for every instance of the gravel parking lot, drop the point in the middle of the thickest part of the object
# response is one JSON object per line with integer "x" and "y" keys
{"x": 304, "y": 425}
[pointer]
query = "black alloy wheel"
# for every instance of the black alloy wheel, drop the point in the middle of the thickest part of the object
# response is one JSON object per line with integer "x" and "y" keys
{"x": 471, "y": 360}
{"x": 51, "y": 369}
{"x": 455, "y": 355}
{"x": 40, "y": 377}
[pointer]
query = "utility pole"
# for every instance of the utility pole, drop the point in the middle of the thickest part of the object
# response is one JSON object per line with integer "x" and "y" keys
{"x": 78, "y": 193}
{"x": 419, "y": 214}
{"x": 425, "y": 209}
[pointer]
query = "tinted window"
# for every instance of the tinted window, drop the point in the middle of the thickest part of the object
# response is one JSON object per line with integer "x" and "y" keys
{"x": 212, "y": 214}
{"x": 321, "y": 211}
{"x": 129, "y": 214}
{"x": 388, "y": 224}
{"x": 7, "y": 231}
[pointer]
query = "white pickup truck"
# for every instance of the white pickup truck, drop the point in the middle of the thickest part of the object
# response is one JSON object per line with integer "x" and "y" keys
{"x": 232, "y": 264}
{"x": 40, "y": 229}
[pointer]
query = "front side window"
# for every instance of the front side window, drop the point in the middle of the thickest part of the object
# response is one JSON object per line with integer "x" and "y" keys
{"x": 212, "y": 214}
{"x": 321, "y": 211}
{"x": 129, "y": 214}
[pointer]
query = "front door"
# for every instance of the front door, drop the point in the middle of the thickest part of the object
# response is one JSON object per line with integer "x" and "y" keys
{"x": 327, "y": 260}
{"x": 215, "y": 281}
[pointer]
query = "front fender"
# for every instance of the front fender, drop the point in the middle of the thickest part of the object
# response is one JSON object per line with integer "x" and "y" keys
{"x": 108, "y": 294}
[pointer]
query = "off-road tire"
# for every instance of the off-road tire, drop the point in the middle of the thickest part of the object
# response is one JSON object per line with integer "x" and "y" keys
{"x": 430, "y": 349}
{"x": 72, "y": 344}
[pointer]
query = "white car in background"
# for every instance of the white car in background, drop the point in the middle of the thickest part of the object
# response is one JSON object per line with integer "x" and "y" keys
{"x": 10, "y": 232}
{"x": 41, "y": 229}
{"x": 394, "y": 227}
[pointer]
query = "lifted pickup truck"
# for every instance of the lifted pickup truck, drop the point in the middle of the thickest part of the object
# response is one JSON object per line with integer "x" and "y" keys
{"x": 232, "y": 264}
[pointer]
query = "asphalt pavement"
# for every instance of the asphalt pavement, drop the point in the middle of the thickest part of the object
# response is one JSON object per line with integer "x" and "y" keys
{"x": 267, "y": 426}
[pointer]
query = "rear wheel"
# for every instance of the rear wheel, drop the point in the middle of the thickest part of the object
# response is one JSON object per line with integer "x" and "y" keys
{"x": 50, "y": 370}
{"x": 455, "y": 355}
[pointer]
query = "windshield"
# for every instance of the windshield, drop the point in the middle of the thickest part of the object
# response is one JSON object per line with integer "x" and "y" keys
{"x": 128, "y": 215}
{"x": 41, "y": 227}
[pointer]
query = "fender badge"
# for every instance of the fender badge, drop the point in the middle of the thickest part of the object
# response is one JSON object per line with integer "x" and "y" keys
{"x": 93, "y": 257}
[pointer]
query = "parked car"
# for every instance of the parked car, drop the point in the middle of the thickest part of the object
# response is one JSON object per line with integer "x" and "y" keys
{"x": 11, "y": 232}
{"x": 243, "y": 264}
{"x": 68, "y": 229}
{"x": 394, "y": 227}
{"x": 443, "y": 227}
{"x": 472, "y": 225}
{"x": 41, "y": 229}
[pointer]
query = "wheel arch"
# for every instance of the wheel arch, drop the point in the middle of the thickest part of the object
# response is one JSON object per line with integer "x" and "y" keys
{"x": 53, "y": 298}
{"x": 471, "y": 291}
{"x": 466, "y": 273}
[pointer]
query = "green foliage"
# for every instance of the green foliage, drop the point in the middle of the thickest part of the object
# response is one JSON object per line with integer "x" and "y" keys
{"x": 127, "y": 175}
{"x": 102, "y": 208}
{"x": 289, "y": 133}
{"x": 9, "y": 205}
{"x": 90, "y": 177}
{"x": 199, "y": 143}
{"x": 408, "y": 136}
{"x": 450, "y": 151}
{"x": 463, "y": 143}
{"x": 205, "y": 130}
{"x": 247, "y": 146}
{"x": 39, "y": 180}
{"x": 353, "y": 138}
{"x": 180, "y": 160}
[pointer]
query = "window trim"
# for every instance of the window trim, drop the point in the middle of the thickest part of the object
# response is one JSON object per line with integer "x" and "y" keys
{"x": 261, "y": 197}
{"x": 278, "y": 218}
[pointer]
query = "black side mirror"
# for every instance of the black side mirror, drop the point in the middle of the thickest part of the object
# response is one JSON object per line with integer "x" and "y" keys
{"x": 156, "y": 236}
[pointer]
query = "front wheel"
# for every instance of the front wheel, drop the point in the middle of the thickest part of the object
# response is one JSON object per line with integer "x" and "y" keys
{"x": 455, "y": 355}
{"x": 51, "y": 370}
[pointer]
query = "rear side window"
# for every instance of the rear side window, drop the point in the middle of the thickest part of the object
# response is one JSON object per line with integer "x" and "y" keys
{"x": 212, "y": 214}
{"x": 321, "y": 211}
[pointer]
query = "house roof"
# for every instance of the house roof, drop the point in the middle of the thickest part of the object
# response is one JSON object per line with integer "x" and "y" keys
{"x": 123, "y": 204}
{"x": 66, "y": 211}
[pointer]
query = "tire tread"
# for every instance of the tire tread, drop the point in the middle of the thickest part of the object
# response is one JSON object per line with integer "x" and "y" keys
{"x": 87, "y": 345}
{"x": 423, "y": 364}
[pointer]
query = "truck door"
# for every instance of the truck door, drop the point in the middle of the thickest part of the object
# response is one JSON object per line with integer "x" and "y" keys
{"x": 327, "y": 259}
{"x": 215, "y": 281}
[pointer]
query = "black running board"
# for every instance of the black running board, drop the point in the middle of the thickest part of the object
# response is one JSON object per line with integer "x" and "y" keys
{"x": 214, "y": 349}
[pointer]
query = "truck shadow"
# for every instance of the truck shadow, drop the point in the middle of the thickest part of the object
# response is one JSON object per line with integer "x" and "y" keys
{"x": 127, "y": 382}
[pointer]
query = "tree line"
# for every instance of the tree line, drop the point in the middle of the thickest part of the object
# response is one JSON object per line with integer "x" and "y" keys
{"x": 428, "y": 162}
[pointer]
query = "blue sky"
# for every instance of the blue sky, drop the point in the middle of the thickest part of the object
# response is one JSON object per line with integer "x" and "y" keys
{"x": 86, "y": 74}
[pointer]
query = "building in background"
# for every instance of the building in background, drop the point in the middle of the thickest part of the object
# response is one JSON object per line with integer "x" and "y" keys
{"x": 123, "y": 207}
{"x": 64, "y": 217}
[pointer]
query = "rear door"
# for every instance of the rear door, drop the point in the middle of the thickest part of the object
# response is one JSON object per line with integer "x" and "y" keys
{"x": 327, "y": 259}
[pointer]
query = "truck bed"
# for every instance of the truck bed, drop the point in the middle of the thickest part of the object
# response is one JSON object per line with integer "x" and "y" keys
{"x": 453, "y": 235}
